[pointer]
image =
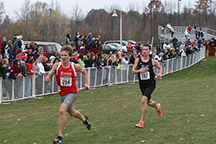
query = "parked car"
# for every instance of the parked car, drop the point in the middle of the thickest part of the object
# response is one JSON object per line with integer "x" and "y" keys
{"x": 118, "y": 46}
{"x": 108, "y": 48}
{"x": 49, "y": 47}
{"x": 124, "y": 43}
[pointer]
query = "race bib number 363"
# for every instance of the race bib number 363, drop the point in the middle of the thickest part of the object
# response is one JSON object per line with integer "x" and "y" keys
{"x": 145, "y": 76}
{"x": 66, "y": 81}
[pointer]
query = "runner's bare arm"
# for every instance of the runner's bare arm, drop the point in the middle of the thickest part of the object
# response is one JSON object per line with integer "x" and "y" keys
{"x": 155, "y": 63}
{"x": 51, "y": 73}
{"x": 85, "y": 75}
{"x": 134, "y": 70}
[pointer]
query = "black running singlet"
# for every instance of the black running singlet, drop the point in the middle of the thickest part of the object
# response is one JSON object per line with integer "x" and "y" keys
{"x": 147, "y": 76}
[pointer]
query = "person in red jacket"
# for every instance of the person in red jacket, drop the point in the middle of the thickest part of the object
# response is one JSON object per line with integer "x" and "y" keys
{"x": 189, "y": 29}
{"x": 43, "y": 54}
{"x": 15, "y": 67}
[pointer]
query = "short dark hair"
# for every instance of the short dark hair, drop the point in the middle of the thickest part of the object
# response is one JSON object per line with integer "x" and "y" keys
{"x": 147, "y": 46}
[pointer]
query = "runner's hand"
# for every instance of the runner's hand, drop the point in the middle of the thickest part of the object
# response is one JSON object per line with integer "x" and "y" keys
{"x": 158, "y": 75}
{"x": 142, "y": 70}
{"x": 47, "y": 79}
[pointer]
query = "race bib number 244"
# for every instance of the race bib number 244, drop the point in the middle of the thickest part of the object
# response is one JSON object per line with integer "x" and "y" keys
{"x": 66, "y": 81}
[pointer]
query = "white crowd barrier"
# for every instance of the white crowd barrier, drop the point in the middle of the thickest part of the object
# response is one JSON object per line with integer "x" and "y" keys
{"x": 25, "y": 88}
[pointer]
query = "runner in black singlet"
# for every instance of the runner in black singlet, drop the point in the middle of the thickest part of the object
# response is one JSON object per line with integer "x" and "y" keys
{"x": 144, "y": 68}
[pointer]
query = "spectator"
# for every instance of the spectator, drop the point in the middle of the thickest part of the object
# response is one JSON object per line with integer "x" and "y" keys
{"x": 99, "y": 63}
{"x": 195, "y": 31}
{"x": 80, "y": 41}
{"x": 46, "y": 66}
{"x": 131, "y": 58}
{"x": 31, "y": 48}
{"x": 183, "y": 52}
{"x": 24, "y": 66}
{"x": 95, "y": 47}
{"x": 4, "y": 44}
{"x": 165, "y": 56}
{"x": 164, "y": 26}
{"x": 172, "y": 31}
{"x": 177, "y": 51}
{"x": 19, "y": 53}
{"x": 36, "y": 67}
{"x": 43, "y": 54}
{"x": 105, "y": 59}
{"x": 75, "y": 39}
{"x": 138, "y": 47}
{"x": 189, "y": 29}
{"x": 30, "y": 68}
{"x": 14, "y": 44}
{"x": 201, "y": 35}
{"x": 36, "y": 51}
{"x": 73, "y": 58}
{"x": 81, "y": 61}
{"x": 92, "y": 60}
{"x": 40, "y": 65}
{"x": 157, "y": 56}
{"x": 87, "y": 62}
{"x": 68, "y": 40}
{"x": 5, "y": 66}
{"x": 165, "y": 45}
{"x": 182, "y": 46}
{"x": 30, "y": 74}
{"x": 172, "y": 53}
{"x": 9, "y": 51}
{"x": 28, "y": 54}
{"x": 90, "y": 41}
{"x": 52, "y": 58}
{"x": 174, "y": 41}
{"x": 0, "y": 44}
{"x": 169, "y": 27}
{"x": 82, "y": 49}
{"x": 188, "y": 42}
{"x": 56, "y": 60}
{"x": 125, "y": 59}
{"x": 112, "y": 61}
{"x": 186, "y": 34}
{"x": 129, "y": 47}
{"x": 15, "y": 68}
{"x": 19, "y": 42}
{"x": 2, "y": 72}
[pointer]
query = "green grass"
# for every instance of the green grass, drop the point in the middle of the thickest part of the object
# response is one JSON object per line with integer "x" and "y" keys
{"x": 188, "y": 104}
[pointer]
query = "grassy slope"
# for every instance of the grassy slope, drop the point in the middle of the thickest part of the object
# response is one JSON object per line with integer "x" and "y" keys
{"x": 188, "y": 104}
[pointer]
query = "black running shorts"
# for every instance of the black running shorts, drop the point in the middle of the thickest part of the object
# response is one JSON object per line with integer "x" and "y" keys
{"x": 148, "y": 89}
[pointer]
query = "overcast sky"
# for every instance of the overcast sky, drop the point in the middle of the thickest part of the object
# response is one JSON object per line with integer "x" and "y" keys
{"x": 87, "y": 5}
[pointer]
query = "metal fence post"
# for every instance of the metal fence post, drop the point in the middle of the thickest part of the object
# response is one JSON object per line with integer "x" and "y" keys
{"x": 1, "y": 89}
{"x": 33, "y": 86}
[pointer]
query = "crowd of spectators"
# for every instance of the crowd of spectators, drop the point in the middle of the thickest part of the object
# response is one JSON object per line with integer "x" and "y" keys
{"x": 17, "y": 59}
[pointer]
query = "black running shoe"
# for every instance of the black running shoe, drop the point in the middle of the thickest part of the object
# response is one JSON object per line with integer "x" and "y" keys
{"x": 58, "y": 140}
{"x": 86, "y": 122}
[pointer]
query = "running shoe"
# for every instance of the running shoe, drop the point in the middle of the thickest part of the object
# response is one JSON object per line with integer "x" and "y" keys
{"x": 139, "y": 125}
{"x": 86, "y": 122}
{"x": 58, "y": 140}
{"x": 159, "y": 110}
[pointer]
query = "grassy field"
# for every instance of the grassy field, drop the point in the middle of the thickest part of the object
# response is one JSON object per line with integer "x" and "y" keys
{"x": 188, "y": 103}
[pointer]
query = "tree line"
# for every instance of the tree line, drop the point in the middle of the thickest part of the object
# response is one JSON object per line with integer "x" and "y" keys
{"x": 40, "y": 21}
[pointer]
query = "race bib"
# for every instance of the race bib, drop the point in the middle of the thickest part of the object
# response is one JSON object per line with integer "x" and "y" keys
{"x": 66, "y": 81}
{"x": 145, "y": 76}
